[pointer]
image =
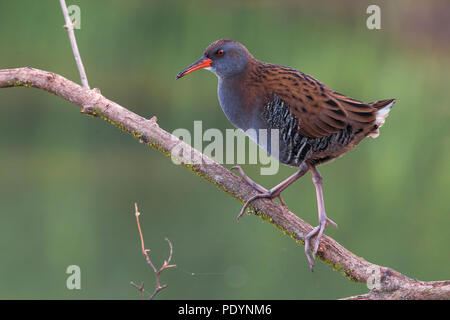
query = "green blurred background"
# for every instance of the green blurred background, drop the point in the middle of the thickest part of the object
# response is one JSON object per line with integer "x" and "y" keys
{"x": 68, "y": 182}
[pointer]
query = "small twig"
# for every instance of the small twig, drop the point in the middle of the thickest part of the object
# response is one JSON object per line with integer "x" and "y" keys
{"x": 69, "y": 26}
{"x": 166, "y": 265}
{"x": 140, "y": 288}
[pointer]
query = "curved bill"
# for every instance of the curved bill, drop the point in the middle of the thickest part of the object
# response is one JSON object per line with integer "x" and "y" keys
{"x": 203, "y": 62}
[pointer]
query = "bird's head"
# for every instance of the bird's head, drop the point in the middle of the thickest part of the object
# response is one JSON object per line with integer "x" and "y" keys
{"x": 224, "y": 57}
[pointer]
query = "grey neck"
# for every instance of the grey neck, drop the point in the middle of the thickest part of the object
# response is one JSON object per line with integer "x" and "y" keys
{"x": 231, "y": 92}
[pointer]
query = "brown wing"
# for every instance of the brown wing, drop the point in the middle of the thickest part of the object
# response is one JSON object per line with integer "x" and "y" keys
{"x": 320, "y": 111}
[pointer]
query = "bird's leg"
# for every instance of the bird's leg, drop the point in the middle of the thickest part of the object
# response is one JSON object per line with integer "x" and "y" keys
{"x": 254, "y": 184}
{"x": 272, "y": 193}
{"x": 249, "y": 181}
{"x": 323, "y": 219}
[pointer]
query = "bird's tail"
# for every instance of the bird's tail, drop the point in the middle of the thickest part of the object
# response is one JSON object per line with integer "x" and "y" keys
{"x": 383, "y": 107}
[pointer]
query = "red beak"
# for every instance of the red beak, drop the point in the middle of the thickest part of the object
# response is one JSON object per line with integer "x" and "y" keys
{"x": 203, "y": 62}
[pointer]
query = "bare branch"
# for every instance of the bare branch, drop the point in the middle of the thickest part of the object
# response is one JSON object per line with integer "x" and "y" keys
{"x": 407, "y": 289}
{"x": 384, "y": 283}
{"x": 73, "y": 42}
{"x": 166, "y": 265}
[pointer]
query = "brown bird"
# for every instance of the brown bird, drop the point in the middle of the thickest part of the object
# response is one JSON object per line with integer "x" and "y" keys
{"x": 314, "y": 123}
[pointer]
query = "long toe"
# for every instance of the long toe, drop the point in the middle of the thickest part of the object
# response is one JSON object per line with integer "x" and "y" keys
{"x": 268, "y": 194}
{"x": 248, "y": 180}
{"x": 332, "y": 222}
{"x": 308, "y": 237}
{"x": 244, "y": 207}
{"x": 310, "y": 258}
{"x": 319, "y": 236}
{"x": 282, "y": 202}
{"x": 253, "y": 198}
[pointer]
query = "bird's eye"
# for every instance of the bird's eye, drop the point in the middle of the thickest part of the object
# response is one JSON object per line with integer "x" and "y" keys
{"x": 220, "y": 52}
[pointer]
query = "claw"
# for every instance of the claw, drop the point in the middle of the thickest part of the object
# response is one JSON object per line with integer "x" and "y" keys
{"x": 272, "y": 193}
{"x": 281, "y": 201}
{"x": 322, "y": 227}
{"x": 307, "y": 245}
{"x": 253, "y": 198}
{"x": 264, "y": 193}
{"x": 248, "y": 180}
{"x": 319, "y": 230}
{"x": 243, "y": 209}
{"x": 332, "y": 222}
{"x": 319, "y": 236}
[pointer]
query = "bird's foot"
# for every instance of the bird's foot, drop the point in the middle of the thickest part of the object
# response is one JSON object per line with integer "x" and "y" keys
{"x": 269, "y": 194}
{"x": 319, "y": 230}
{"x": 263, "y": 192}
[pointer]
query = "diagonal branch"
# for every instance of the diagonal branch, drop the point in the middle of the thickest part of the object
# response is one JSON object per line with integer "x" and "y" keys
{"x": 384, "y": 282}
